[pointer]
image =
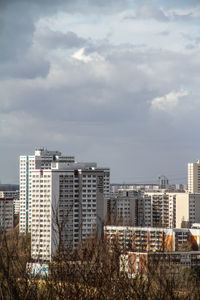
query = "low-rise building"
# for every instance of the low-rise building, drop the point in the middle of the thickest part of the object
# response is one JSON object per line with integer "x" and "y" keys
{"x": 129, "y": 238}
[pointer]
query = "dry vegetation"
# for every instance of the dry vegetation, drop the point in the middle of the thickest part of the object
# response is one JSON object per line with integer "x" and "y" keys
{"x": 90, "y": 272}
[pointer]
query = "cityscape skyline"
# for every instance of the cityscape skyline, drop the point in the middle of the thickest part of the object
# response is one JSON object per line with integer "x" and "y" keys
{"x": 99, "y": 149}
{"x": 172, "y": 178}
{"x": 115, "y": 82}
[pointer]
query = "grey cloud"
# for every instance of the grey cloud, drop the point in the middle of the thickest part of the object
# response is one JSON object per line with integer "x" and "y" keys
{"x": 27, "y": 68}
{"x": 194, "y": 39}
{"x": 95, "y": 91}
{"x": 164, "y": 32}
{"x": 46, "y": 7}
{"x": 190, "y": 46}
{"x": 183, "y": 4}
{"x": 15, "y": 34}
{"x": 17, "y": 19}
{"x": 183, "y": 17}
{"x": 148, "y": 12}
{"x": 55, "y": 39}
{"x": 151, "y": 12}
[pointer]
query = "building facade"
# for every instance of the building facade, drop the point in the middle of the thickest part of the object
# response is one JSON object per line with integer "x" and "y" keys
{"x": 154, "y": 209}
{"x": 40, "y": 160}
{"x": 163, "y": 182}
{"x": 68, "y": 206}
{"x": 123, "y": 207}
{"x": 129, "y": 238}
{"x": 15, "y": 196}
{"x": 158, "y": 209}
{"x": 6, "y": 214}
{"x": 194, "y": 177}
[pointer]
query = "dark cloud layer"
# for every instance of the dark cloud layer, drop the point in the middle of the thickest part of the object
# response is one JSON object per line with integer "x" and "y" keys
{"x": 124, "y": 105}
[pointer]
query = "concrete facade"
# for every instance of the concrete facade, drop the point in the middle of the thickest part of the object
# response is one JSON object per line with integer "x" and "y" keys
{"x": 151, "y": 238}
{"x": 41, "y": 159}
{"x": 194, "y": 177}
{"x": 68, "y": 206}
{"x": 6, "y": 214}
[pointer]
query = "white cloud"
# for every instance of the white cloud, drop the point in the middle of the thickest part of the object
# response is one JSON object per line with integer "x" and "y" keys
{"x": 168, "y": 102}
{"x": 80, "y": 55}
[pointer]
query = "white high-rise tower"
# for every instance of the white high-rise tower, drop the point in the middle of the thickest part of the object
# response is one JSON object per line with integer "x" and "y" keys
{"x": 68, "y": 206}
{"x": 41, "y": 160}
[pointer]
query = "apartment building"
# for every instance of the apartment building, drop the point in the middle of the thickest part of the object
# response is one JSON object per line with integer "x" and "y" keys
{"x": 15, "y": 196}
{"x": 68, "y": 206}
{"x": 154, "y": 209}
{"x": 9, "y": 194}
{"x": 171, "y": 210}
{"x": 187, "y": 209}
{"x": 6, "y": 214}
{"x": 157, "y": 209}
{"x": 129, "y": 238}
{"x": 123, "y": 207}
{"x": 41, "y": 159}
{"x": 194, "y": 177}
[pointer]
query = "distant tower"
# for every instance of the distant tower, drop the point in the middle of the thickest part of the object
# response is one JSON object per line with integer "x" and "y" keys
{"x": 163, "y": 182}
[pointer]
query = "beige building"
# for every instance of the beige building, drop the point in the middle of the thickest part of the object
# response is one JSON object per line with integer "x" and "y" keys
{"x": 194, "y": 177}
{"x": 187, "y": 209}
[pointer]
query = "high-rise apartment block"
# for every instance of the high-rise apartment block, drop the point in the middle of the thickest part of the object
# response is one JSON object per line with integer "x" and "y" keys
{"x": 62, "y": 202}
{"x": 40, "y": 160}
{"x": 15, "y": 196}
{"x": 157, "y": 209}
{"x": 68, "y": 206}
{"x": 6, "y": 214}
{"x": 123, "y": 207}
{"x": 171, "y": 210}
{"x": 194, "y": 177}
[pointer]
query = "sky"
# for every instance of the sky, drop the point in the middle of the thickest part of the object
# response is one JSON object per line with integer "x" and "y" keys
{"x": 116, "y": 82}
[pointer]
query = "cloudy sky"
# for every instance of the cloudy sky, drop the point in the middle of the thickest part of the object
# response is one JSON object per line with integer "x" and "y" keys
{"x": 115, "y": 81}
